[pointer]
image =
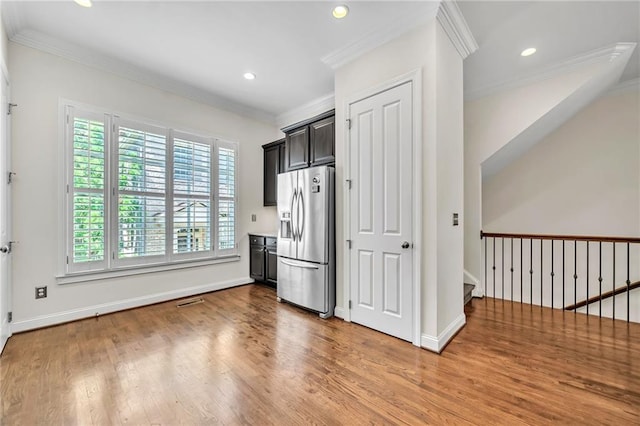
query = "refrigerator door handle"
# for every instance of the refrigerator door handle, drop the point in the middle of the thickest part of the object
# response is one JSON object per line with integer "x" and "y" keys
{"x": 297, "y": 265}
{"x": 294, "y": 199}
{"x": 301, "y": 227}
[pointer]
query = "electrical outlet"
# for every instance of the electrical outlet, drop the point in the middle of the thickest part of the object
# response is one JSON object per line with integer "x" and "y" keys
{"x": 253, "y": 218}
{"x": 41, "y": 292}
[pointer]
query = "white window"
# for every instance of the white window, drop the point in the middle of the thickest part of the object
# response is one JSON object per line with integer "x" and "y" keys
{"x": 140, "y": 194}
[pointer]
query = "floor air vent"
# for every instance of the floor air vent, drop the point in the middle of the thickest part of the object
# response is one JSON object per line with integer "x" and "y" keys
{"x": 189, "y": 302}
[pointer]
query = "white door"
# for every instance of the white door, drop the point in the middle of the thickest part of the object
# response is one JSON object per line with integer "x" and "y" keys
{"x": 381, "y": 285}
{"x": 5, "y": 211}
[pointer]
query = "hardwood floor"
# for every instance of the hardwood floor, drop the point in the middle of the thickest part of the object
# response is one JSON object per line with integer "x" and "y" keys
{"x": 242, "y": 358}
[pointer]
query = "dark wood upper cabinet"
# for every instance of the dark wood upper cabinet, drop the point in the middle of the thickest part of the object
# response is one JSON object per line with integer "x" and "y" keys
{"x": 273, "y": 164}
{"x": 322, "y": 142}
{"x": 283, "y": 158}
{"x": 297, "y": 149}
{"x": 311, "y": 142}
{"x": 307, "y": 144}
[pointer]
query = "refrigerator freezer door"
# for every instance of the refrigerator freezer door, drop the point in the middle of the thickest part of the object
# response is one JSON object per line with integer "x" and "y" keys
{"x": 303, "y": 283}
{"x": 315, "y": 186}
{"x": 287, "y": 185}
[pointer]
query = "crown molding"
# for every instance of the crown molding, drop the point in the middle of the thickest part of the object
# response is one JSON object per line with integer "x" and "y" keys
{"x": 453, "y": 23}
{"x": 11, "y": 17}
{"x": 604, "y": 54}
{"x": 39, "y": 41}
{"x": 310, "y": 109}
{"x": 378, "y": 37}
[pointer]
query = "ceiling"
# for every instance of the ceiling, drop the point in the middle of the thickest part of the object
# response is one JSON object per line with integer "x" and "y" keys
{"x": 201, "y": 49}
{"x": 560, "y": 30}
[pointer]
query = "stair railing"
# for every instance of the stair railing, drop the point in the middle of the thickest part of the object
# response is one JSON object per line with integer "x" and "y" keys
{"x": 577, "y": 273}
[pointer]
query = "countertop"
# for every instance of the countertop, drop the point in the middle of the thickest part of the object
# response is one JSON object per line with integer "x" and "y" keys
{"x": 264, "y": 234}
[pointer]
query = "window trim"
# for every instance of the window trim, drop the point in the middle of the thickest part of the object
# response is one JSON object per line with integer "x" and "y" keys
{"x": 68, "y": 271}
{"x": 79, "y": 277}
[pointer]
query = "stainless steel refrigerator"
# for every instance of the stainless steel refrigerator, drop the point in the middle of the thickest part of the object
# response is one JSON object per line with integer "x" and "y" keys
{"x": 306, "y": 239}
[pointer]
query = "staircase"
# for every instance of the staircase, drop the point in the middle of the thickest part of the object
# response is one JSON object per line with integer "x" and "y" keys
{"x": 468, "y": 289}
{"x": 603, "y": 296}
{"x": 593, "y": 275}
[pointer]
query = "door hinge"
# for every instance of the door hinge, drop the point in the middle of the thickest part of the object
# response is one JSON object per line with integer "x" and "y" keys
{"x": 348, "y": 120}
{"x": 10, "y": 108}
{"x": 67, "y": 260}
{"x": 67, "y": 188}
{"x": 348, "y": 181}
{"x": 349, "y": 244}
{"x": 7, "y": 248}
{"x": 10, "y": 177}
{"x": 10, "y": 316}
{"x": 349, "y": 304}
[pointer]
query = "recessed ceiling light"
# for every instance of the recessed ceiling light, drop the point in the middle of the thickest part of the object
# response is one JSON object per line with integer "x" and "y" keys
{"x": 340, "y": 12}
{"x": 84, "y": 3}
{"x": 249, "y": 76}
{"x": 528, "y": 52}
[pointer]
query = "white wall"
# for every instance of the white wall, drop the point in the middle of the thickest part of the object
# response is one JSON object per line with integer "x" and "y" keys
{"x": 582, "y": 179}
{"x": 428, "y": 49}
{"x": 4, "y": 42}
{"x": 493, "y": 121}
{"x": 450, "y": 180}
{"x": 39, "y": 80}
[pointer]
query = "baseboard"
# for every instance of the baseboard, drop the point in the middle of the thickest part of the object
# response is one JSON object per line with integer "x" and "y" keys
{"x": 437, "y": 344}
{"x": 338, "y": 312}
{"x": 478, "y": 292}
{"x": 4, "y": 336}
{"x": 106, "y": 308}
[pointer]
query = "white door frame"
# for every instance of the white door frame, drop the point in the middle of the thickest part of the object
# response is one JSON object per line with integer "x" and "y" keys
{"x": 415, "y": 78}
{"x": 5, "y": 147}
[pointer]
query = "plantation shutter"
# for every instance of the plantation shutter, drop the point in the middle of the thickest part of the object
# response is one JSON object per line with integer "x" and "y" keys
{"x": 226, "y": 209}
{"x": 141, "y": 192}
{"x": 138, "y": 194}
{"x": 86, "y": 190}
{"x": 192, "y": 200}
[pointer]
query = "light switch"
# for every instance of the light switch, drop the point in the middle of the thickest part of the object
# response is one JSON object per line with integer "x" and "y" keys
{"x": 253, "y": 218}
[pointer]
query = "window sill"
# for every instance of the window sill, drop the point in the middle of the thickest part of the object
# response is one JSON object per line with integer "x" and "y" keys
{"x": 138, "y": 270}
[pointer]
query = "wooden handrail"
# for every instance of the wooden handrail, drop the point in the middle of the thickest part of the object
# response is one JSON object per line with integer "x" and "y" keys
{"x": 606, "y": 295}
{"x": 562, "y": 237}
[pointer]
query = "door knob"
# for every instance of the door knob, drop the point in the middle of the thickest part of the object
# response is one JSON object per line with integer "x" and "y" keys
{"x": 5, "y": 249}
{"x": 405, "y": 244}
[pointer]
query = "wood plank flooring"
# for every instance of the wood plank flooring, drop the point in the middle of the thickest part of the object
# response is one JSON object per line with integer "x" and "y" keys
{"x": 242, "y": 358}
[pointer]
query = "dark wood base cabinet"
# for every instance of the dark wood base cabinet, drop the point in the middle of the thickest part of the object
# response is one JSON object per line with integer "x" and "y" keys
{"x": 263, "y": 259}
